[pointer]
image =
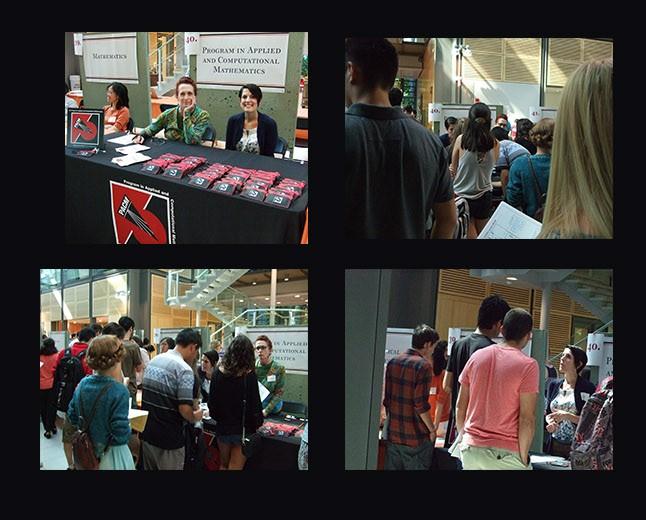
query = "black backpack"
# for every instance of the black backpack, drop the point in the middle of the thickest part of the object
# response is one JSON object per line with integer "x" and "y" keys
{"x": 69, "y": 373}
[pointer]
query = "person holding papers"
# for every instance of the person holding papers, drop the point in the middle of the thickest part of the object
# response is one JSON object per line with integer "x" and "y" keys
{"x": 186, "y": 122}
{"x": 580, "y": 193}
{"x": 271, "y": 375}
{"x": 117, "y": 113}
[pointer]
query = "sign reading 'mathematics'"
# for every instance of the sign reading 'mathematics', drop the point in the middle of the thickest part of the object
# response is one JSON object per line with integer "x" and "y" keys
{"x": 229, "y": 60}
{"x": 110, "y": 57}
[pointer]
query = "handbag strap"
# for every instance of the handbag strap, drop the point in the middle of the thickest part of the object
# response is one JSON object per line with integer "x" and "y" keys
{"x": 103, "y": 390}
{"x": 539, "y": 194}
{"x": 244, "y": 405}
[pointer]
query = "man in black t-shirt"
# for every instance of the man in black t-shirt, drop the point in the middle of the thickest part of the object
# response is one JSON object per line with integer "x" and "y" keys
{"x": 490, "y": 317}
{"x": 396, "y": 170}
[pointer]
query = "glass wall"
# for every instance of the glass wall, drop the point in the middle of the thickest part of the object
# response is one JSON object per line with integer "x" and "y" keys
{"x": 49, "y": 278}
{"x": 72, "y": 275}
{"x": 110, "y": 298}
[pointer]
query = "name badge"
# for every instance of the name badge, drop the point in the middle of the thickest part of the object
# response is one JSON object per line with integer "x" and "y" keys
{"x": 112, "y": 119}
{"x": 584, "y": 396}
{"x": 433, "y": 391}
{"x": 271, "y": 378}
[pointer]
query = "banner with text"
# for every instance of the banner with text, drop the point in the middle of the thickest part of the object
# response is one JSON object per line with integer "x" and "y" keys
{"x": 229, "y": 60}
{"x": 289, "y": 345}
{"x": 110, "y": 57}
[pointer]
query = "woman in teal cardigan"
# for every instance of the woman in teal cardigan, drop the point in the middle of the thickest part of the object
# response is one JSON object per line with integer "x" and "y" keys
{"x": 109, "y": 428}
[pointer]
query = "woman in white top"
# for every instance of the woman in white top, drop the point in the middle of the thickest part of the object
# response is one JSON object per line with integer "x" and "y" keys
{"x": 472, "y": 161}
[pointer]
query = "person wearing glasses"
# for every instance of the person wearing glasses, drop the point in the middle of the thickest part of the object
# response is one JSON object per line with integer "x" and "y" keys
{"x": 565, "y": 399}
{"x": 271, "y": 374}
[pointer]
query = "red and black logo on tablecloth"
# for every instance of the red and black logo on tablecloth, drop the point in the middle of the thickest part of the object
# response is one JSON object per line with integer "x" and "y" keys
{"x": 139, "y": 217}
{"x": 84, "y": 128}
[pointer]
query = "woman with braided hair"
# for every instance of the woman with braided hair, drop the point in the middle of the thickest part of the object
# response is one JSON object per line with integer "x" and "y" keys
{"x": 109, "y": 427}
{"x": 472, "y": 161}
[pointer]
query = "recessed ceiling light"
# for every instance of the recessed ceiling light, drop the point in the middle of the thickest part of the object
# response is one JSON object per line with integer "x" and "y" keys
{"x": 278, "y": 303}
{"x": 287, "y": 279}
{"x": 253, "y": 283}
{"x": 305, "y": 301}
{"x": 297, "y": 296}
{"x": 266, "y": 299}
{"x": 512, "y": 278}
{"x": 240, "y": 301}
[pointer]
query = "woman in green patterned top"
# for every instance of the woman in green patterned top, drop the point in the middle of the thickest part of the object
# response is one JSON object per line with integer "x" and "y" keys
{"x": 186, "y": 122}
{"x": 271, "y": 374}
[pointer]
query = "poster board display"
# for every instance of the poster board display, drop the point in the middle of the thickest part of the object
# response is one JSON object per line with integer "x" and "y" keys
{"x": 85, "y": 128}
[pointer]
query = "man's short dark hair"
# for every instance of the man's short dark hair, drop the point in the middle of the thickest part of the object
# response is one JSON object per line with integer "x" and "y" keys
{"x": 377, "y": 60}
{"x": 114, "y": 329}
{"x": 188, "y": 336}
{"x": 86, "y": 335}
{"x": 97, "y": 328}
{"x": 395, "y": 96}
{"x": 127, "y": 323}
{"x": 449, "y": 121}
{"x": 500, "y": 133}
{"x": 492, "y": 310}
{"x": 517, "y": 324}
{"x": 423, "y": 334}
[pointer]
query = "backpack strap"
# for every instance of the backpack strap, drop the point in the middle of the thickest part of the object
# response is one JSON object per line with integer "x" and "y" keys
{"x": 89, "y": 421}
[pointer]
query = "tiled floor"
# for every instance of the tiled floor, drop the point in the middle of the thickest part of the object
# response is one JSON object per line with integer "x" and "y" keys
{"x": 52, "y": 455}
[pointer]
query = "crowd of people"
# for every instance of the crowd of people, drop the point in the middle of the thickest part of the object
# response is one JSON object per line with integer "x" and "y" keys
{"x": 486, "y": 395}
{"x": 92, "y": 384}
{"x": 403, "y": 181}
{"x": 249, "y": 131}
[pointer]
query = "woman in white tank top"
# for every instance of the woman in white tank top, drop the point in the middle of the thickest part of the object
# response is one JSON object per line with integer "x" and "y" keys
{"x": 473, "y": 159}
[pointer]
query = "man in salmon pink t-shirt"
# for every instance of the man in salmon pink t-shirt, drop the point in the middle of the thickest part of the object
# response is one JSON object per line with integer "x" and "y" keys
{"x": 497, "y": 400}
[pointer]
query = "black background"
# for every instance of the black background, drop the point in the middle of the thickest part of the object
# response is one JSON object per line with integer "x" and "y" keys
{"x": 326, "y": 487}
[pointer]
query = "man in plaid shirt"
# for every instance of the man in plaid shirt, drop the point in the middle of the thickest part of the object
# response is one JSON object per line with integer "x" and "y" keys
{"x": 410, "y": 432}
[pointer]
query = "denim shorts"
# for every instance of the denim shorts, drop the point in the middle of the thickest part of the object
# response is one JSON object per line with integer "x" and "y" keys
{"x": 230, "y": 439}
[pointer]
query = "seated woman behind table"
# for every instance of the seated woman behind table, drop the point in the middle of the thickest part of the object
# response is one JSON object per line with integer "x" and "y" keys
{"x": 250, "y": 131}
{"x": 117, "y": 114}
{"x": 271, "y": 375}
{"x": 186, "y": 122}
{"x": 565, "y": 400}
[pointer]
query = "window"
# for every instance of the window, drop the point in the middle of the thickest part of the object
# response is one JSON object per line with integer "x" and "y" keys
{"x": 566, "y": 54}
{"x": 49, "y": 278}
{"x": 72, "y": 275}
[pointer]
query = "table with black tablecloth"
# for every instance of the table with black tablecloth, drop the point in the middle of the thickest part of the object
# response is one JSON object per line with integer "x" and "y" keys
{"x": 188, "y": 214}
{"x": 276, "y": 452}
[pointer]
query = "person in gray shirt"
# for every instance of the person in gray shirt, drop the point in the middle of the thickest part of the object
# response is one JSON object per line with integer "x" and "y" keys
{"x": 509, "y": 152}
{"x": 396, "y": 170}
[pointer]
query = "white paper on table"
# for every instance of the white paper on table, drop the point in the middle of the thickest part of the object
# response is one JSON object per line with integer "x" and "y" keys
{"x": 508, "y": 222}
{"x": 133, "y": 413}
{"x": 124, "y": 139}
{"x": 263, "y": 391}
{"x": 536, "y": 459}
{"x": 133, "y": 158}
{"x": 132, "y": 148}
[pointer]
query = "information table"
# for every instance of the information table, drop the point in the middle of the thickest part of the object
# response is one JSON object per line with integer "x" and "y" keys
{"x": 98, "y": 193}
{"x": 276, "y": 452}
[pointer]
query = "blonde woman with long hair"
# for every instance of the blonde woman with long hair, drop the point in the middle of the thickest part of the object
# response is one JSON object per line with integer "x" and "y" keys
{"x": 579, "y": 196}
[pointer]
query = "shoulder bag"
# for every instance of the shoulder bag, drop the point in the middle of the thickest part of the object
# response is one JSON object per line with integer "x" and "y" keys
{"x": 540, "y": 197}
{"x": 250, "y": 444}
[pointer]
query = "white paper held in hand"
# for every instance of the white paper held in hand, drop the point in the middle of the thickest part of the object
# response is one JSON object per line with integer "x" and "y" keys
{"x": 508, "y": 222}
{"x": 263, "y": 391}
